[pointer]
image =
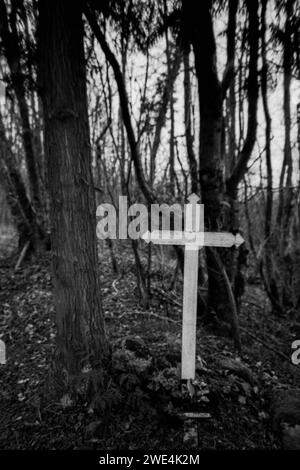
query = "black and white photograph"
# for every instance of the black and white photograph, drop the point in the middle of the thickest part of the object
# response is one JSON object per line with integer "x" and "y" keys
{"x": 149, "y": 229}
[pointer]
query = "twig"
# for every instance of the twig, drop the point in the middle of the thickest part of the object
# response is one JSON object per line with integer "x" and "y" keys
{"x": 259, "y": 340}
{"x": 152, "y": 315}
{"x": 115, "y": 282}
{"x": 231, "y": 299}
{"x": 166, "y": 296}
{"x": 162, "y": 318}
{"x": 106, "y": 127}
{"x": 22, "y": 255}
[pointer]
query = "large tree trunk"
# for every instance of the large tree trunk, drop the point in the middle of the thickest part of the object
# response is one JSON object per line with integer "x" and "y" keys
{"x": 202, "y": 38}
{"x": 81, "y": 339}
{"x": 238, "y": 261}
{"x": 198, "y": 30}
{"x": 199, "y": 33}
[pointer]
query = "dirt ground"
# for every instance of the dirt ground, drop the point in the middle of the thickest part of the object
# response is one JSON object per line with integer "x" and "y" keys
{"x": 140, "y": 408}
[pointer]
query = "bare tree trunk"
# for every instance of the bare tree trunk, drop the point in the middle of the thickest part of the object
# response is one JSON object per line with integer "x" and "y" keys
{"x": 81, "y": 339}
{"x": 210, "y": 103}
{"x": 10, "y": 42}
{"x": 198, "y": 30}
{"x": 264, "y": 90}
{"x": 248, "y": 218}
{"x": 298, "y": 136}
{"x": 285, "y": 191}
{"x": 172, "y": 146}
{"x": 172, "y": 73}
{"x": 231, "y": 39}
{"x": 237, "y": 260}
{"x": 269, "y": 278}
{"x": 252, "y": 93}
{"x": 172, "y": 136}
{"x": 188, "y": 122}
{"x": 281, "y": 286}
{"x": 21, "y": 207}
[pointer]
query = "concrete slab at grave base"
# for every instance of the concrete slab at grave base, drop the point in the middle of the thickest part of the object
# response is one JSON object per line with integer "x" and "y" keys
{"x": 286, "y": 417}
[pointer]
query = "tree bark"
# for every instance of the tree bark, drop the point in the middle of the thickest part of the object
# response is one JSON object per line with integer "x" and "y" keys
{"x": 81, "y": 339}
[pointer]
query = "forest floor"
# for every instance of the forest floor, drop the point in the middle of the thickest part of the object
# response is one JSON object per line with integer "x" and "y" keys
{"x": 140, "y": 408}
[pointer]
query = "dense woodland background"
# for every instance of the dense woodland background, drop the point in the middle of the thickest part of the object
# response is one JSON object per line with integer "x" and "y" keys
{"x": 154, "y": 100}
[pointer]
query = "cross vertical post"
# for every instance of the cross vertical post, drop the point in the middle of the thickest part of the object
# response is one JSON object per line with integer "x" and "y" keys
{"x": 193, "y": 223}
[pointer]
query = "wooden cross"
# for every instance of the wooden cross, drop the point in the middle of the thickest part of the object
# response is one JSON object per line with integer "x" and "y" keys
{"x": 193, "y": 238}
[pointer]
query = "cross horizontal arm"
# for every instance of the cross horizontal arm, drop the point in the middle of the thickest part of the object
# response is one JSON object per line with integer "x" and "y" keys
{"x": 220, "y": 239}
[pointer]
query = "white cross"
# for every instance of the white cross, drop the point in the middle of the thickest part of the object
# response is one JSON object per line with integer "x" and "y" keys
{"x": 193, "y": 238}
